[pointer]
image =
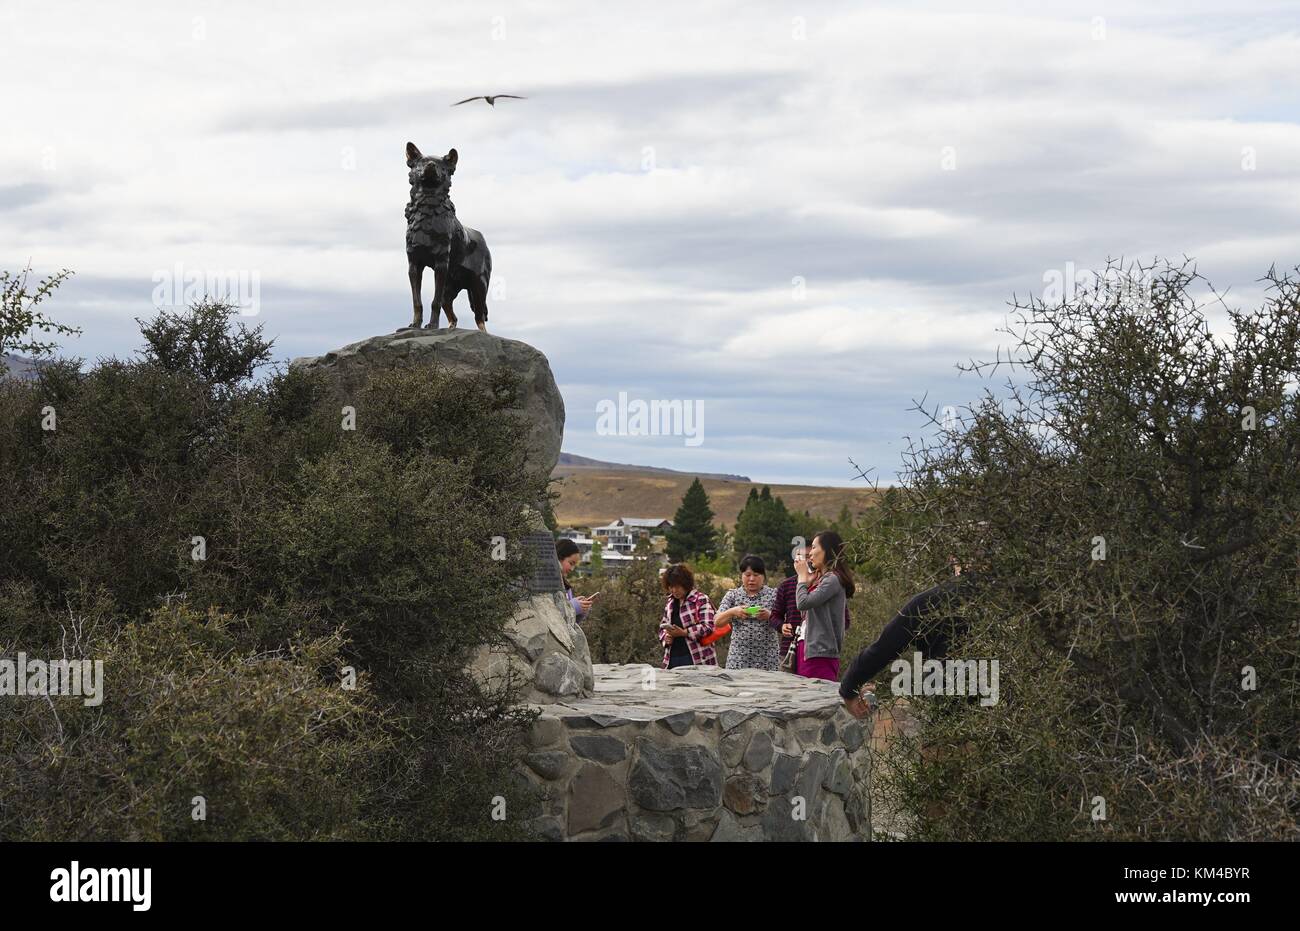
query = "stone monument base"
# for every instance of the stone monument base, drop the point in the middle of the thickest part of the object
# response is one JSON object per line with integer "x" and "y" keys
{"x": 700, "y": 753}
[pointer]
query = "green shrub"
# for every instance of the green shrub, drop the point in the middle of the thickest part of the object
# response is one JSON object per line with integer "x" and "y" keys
{"x": 270, "y": 747}
{"x": 323, "y": 548}
{"x": 624, "y": 622}
{"x": 1159, "y": 678}
{"x": 715, "y": 565}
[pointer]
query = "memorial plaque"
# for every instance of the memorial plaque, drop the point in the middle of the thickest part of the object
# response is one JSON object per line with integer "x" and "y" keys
{"x": 546, "y": 575}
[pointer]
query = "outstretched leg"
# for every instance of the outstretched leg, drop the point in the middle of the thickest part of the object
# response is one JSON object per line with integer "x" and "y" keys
{"x": 441, "y": 289}
{"x": 415, "y": 271}
{"x": 448, "y": 299}
{"x": 478, "y": 301}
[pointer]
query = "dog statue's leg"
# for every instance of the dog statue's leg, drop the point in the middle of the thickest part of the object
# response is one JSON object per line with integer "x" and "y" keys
{"x": 441, "y": 278}
{"x": 478, "y": 301}
{"x": 436, "y": 304}
{"x": 416, "y": 272}
{"x": 448, "y": 298}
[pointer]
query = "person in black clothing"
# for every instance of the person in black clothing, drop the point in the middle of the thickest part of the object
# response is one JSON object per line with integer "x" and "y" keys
{"x": 926, "y": 620}
{"x": 681, "y": 651}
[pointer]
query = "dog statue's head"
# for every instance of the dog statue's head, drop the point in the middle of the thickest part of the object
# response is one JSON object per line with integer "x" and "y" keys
{"x": 430, "y": 173}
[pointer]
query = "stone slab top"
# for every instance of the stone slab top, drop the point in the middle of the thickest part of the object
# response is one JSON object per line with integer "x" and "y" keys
{"x": 636, "y": 692}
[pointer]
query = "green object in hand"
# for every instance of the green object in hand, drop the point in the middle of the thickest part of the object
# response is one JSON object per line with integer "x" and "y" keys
{"x": 752, "y": 610}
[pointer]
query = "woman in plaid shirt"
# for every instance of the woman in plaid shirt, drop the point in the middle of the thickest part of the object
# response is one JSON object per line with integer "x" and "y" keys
{"x": 688, "y": 616}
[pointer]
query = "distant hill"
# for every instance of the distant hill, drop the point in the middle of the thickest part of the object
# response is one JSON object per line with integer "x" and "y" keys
{"x": 570, "y": 461}
{"x": 17, "y": 366}
{"x": 594, "y": 493}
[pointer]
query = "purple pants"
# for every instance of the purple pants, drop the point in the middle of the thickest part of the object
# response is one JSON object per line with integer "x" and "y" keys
{"x": 819, "y": 667}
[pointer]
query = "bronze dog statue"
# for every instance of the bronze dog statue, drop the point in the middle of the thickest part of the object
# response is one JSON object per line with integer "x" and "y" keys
{"x": 435, "y": 239}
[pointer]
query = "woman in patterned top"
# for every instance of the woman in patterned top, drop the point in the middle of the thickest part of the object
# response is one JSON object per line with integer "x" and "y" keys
{"x": 755, "y": 643}
{"x": 688, "y": 617}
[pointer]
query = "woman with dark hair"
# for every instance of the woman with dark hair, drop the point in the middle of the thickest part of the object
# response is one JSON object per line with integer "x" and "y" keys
{"x": 567, "y": 552}
{"x": 755, "y": 643}
{"x": 786, "y": 618}
{"x": 825, "y": 585}
{"x": 688, "y": 617}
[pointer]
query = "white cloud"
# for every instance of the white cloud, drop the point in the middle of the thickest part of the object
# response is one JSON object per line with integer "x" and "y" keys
{"x": 219, "y": 136}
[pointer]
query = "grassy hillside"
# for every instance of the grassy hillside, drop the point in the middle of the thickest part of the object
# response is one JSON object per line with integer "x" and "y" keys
{"x": 591, "y": 496}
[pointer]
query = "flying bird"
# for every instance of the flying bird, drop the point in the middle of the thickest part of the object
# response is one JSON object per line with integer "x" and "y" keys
{"x": 490, "y": 98}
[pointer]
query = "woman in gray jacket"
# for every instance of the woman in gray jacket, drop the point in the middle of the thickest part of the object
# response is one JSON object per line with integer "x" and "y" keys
{"x": 824, "y": 584}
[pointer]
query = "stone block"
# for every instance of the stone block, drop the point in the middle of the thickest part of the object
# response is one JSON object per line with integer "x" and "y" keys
{"x": 680, "y": 722}
{"x": 545, "y": 731}
{"x": 743, "y": 794}
{"x": 839, "y": 777}
{"x": 558, "y": 675}
{"x": 654, "y": 826}
{"x": 667, "y": 778}
{"x": 784, "y": 771}
{"x": 852, "y": 735}
{"x": 596, "y": 799}
{"x": 809, "y": 783}
{"x": 733, "y": 748}
{"x": 598, "y": 747}
{"x": 549, "y": 764}
{"x": 732, "y": 830}
{"x": 759, "y": 752}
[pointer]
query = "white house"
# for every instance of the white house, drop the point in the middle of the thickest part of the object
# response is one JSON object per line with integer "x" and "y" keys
{"x": 621, "y": 536}
{"x": 583, "y": 543}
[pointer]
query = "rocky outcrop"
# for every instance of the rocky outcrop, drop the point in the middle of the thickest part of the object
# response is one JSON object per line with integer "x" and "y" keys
{"x": 636, "y": 752}
{"x": 699, "y": 753}
{"x": 460, "y": 350}
{"x": 545, "y": 653}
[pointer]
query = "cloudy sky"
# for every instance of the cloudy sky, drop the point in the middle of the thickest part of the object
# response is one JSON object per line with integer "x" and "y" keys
{"x": 800, "y": 215}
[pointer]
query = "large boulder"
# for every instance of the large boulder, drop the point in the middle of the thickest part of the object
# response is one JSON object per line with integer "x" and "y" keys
{"x": 459, "y": 350}
{"x": 544, "y": 651}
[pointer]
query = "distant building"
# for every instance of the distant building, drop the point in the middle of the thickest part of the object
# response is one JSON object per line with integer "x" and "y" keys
{"x": 618, "y": 542}
{"x": 622, "y": 535}
{"x": 583, "y": 543}
{"x": 615, "y": 563}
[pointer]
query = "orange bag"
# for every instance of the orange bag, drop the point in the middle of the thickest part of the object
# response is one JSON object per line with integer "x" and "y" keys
{"x": 718, "y": 633}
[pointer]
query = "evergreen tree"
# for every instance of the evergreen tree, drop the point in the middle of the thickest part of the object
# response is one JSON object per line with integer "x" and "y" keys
{"x": 765, "y": 528}
{"x": 692, "y": 533}
{"x": 843, "y": 525}
{"x": 807, "y": 526}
